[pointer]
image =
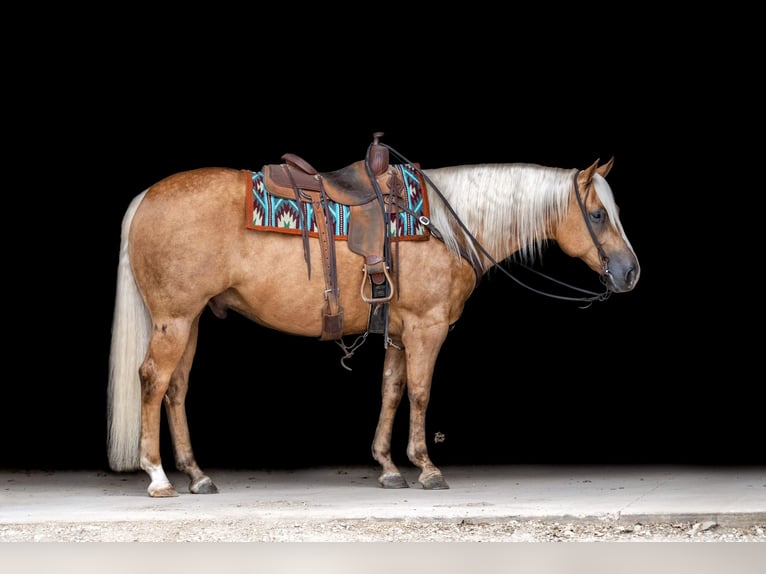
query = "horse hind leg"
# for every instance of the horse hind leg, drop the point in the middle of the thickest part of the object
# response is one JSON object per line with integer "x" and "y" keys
{"x": 175, "y": 408}
{"x": 167, "y": 350}
{"x": 394, "y": 382}
{"x": 154, "y": 384}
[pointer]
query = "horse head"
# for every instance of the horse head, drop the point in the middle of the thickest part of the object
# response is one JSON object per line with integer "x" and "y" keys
{"x": 592, "y": 232}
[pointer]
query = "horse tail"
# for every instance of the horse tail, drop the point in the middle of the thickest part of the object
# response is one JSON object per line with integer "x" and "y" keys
{"x": 131, "y": 330}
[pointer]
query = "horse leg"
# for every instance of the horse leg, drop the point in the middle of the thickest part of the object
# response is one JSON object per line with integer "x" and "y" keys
{"x": 394, "y": 381}
{"x": 422, "y": 350}
{"x": 166, "y": 348}
{"x": 175, "y": 398}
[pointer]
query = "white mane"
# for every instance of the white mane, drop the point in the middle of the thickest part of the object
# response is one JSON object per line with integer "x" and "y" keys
{"x": 502, "y": 205}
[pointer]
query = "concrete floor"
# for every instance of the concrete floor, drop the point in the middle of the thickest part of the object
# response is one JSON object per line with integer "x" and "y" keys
{"x": 728, "y": 495}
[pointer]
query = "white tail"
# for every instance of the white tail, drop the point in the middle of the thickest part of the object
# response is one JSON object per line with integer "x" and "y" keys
{"x": 131, "y": 330}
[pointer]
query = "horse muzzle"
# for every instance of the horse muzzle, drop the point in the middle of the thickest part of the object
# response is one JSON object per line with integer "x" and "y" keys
{"x": 621, "y": 274}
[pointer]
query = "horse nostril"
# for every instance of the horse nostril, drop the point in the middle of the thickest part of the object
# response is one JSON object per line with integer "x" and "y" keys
{"x": 630, "y": 275}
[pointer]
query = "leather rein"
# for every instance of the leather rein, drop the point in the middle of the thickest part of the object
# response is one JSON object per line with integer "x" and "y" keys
{"x": 591, "y": 295}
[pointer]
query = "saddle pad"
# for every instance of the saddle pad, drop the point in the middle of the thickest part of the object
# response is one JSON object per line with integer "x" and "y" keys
{"x": 267, "y": 212}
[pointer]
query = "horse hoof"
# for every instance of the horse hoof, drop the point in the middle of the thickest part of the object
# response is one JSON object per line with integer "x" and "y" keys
{"x": 166, "y": 491}
{"x": 203, "y": 486}
{"x": 434, "y": 482}
{"x": 392, "y": 480}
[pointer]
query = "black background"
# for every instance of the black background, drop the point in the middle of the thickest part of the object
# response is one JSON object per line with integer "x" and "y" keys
{"x": 659, "y": 375}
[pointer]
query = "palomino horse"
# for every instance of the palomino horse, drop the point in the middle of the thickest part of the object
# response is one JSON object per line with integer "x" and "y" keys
{"x": 190, "y": 242}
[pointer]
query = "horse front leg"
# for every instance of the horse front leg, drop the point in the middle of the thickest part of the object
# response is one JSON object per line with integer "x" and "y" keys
{"x": 175, "y": 407}
{"x": 392, "y": 390}
{"x": 422, "y": 350}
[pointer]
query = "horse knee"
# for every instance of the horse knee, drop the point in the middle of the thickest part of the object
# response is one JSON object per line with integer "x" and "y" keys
{"x": 418, "y": 401}
{"x": 147, "y": 370}
{"x": 150, "y": 385}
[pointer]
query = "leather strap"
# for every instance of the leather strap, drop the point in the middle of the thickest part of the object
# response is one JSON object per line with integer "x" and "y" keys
{"x": 327, "y": 242}
{"x": 333, "y": 317}
{"x": 304, "y": 226}
{"x": 332, "y": 323}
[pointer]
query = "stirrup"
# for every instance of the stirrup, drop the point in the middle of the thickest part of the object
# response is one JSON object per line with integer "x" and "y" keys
{"x": 373, "y": 300}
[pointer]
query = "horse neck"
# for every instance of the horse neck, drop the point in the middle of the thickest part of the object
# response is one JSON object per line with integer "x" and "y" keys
{"x": 508, "y": 208}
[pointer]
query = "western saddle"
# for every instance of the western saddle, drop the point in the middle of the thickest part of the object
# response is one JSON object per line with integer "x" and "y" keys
{"x": 370, "y": 188}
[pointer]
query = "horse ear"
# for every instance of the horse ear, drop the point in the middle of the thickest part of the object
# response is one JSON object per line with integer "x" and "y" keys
{"x": 604, "y": 169}
{"x": 587, "y": 173}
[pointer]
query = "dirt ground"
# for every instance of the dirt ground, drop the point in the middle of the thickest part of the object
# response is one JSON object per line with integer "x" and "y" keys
{"x": 377, "y": 530}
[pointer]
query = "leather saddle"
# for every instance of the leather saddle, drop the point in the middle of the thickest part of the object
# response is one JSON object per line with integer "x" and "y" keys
{"x": 369, "y": 188}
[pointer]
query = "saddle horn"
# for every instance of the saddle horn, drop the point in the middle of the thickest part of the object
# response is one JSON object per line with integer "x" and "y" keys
{"x": 378, "y": 156}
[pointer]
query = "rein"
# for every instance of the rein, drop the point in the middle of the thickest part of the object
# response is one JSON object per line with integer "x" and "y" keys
{"x": 592, "y": 295}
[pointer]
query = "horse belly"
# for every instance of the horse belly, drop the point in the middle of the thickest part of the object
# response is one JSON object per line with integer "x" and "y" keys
{"x": 275, "y": 289}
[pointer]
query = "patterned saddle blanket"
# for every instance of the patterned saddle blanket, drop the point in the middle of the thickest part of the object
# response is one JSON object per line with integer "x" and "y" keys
{"x": 267, "y": 212}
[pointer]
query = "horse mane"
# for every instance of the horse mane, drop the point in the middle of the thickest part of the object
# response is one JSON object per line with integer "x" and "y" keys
{"x": 502, "y": 204}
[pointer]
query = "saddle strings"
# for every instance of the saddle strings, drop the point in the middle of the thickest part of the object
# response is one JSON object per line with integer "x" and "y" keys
{"x": 593, "y": 296}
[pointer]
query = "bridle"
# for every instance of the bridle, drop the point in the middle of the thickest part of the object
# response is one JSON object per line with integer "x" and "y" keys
{"x": 591, "y": 295}
{"x": 601, "y": 253}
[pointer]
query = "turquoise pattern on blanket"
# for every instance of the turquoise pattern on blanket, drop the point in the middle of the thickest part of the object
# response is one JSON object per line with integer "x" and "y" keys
{"x": 279, "y": 214}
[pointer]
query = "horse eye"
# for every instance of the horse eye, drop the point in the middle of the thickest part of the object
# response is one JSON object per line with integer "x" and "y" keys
{"x": 597, "y": 216}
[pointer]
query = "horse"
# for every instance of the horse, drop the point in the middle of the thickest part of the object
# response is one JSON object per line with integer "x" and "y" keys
{"x": 187, "y": 245}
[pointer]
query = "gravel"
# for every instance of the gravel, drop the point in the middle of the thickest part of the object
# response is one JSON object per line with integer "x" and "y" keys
{"x": 374, "y": 530}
